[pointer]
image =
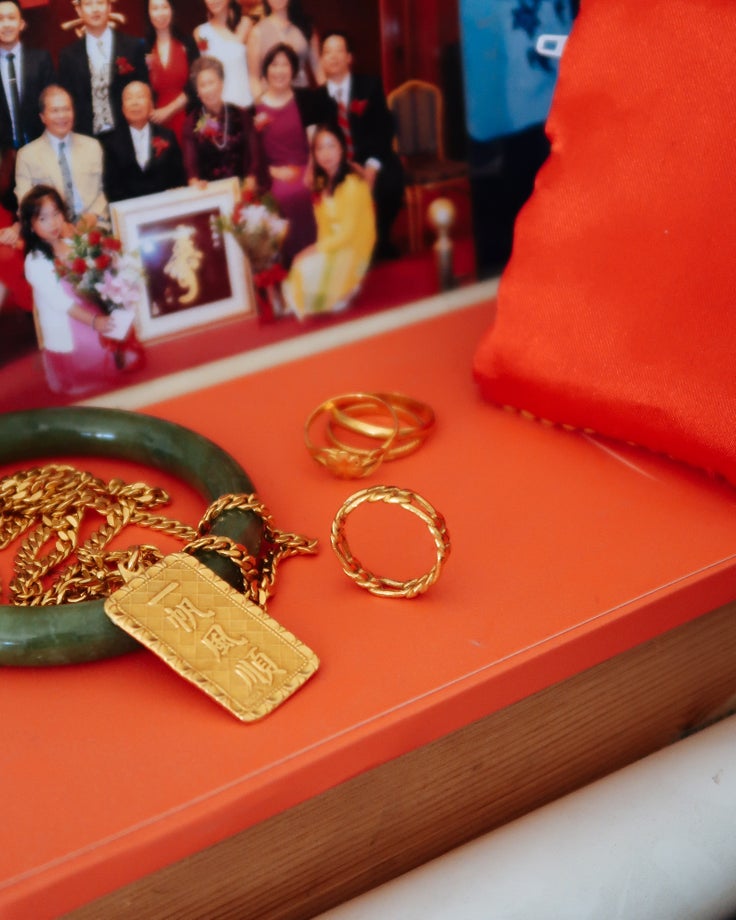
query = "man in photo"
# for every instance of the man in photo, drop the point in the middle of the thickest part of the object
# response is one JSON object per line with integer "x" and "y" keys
{"x": 358, "y": 106}
{"x": 96, "y": 68}
{"x": 71, "y": 163}
{"x": 24, "y": 73}
{"x": 141, "y": 158}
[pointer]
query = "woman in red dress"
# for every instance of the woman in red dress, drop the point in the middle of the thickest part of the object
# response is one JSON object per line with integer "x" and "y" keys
{"x": 170, "y": 55}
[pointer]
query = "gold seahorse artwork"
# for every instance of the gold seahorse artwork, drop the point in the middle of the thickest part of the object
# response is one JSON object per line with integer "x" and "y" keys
{"x": 183, "y": 265}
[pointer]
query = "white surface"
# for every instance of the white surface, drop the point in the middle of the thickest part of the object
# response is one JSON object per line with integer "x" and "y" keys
{"x": 258, "y": 359}
{"x": 655, "y": 841}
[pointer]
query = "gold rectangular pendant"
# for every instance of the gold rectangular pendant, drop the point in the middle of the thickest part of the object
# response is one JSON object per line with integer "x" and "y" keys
{"x": 212, "y": 635}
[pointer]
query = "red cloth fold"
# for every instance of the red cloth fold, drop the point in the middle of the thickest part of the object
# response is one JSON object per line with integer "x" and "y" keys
{"x": 617, "y": 311}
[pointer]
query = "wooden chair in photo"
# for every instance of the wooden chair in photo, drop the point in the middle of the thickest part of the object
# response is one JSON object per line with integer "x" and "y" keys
{"x": 418, "y": 110}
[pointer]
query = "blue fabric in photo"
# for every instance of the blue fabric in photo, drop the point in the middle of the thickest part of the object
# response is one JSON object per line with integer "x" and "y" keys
{"x": 508, "y": 83}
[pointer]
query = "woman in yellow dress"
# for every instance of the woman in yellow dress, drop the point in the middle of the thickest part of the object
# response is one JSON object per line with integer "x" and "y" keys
{"x": 325, "y": 276}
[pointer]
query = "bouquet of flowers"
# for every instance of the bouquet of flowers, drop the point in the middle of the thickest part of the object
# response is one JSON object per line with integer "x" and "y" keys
{"x": 97, "y": 269}
{"x": 260, "y": 230}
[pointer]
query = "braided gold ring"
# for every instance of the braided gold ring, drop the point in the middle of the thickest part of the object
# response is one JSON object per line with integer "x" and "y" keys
{"x": 376, "y": 584}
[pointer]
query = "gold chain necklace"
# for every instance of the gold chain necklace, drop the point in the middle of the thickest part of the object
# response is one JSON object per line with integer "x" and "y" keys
{"x": 217, "y": 638}
{"x": 51, "y": 503}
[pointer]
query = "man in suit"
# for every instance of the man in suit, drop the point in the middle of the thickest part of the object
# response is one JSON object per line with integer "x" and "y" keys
{"x": 96, "y": 68}
{"x": 72, "y": 163}
{"x": 141, "y": 157}
{"x": 24, "y": 73}
{"x": 358, "y": 106}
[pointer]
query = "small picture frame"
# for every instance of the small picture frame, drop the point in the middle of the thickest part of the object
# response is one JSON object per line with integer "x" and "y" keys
{"x": 195, "y": 274}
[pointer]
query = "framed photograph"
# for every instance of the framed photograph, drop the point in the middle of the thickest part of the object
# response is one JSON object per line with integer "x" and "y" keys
{"x": 195, "y": 273}
{"x": 200, "y": 304}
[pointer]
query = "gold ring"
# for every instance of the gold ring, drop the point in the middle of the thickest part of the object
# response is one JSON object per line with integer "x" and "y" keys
{"x": 420, "y": 418}
{"x": 344, "y": 461}
{"x": 388, "y": 587}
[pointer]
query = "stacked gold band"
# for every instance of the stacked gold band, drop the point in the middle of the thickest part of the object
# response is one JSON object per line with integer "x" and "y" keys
{"x": 397, "y": 422}
{"x": 416, "y": 423}
{"x": 376, "y": 584}
{"x": 350, "y": 462}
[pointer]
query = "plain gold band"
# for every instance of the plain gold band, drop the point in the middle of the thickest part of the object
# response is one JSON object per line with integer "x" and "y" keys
{"x": 420, "y": 418}
{"x": 375, "y": 584}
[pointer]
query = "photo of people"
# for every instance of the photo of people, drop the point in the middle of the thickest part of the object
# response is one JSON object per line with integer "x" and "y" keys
{"x": 340, "y": 127}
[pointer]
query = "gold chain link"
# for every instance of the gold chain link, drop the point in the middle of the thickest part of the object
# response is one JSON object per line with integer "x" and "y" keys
{"x": 45, "y": 508}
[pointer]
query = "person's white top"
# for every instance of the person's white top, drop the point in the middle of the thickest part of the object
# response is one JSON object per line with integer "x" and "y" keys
{"x": 141, "y": 138}
{"x": 231, "y": 53}
{"x": 52, "y": 302}
{"x": 340, "y": 92}
{"x": 99, "y": 50}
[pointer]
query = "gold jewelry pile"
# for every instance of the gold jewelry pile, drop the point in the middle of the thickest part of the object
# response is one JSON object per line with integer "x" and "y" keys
{"x": 359, "y": 432}
{"x": 220, "y": 639}
{"x": 46, "y": 507}
{"x": 398, "y": 423}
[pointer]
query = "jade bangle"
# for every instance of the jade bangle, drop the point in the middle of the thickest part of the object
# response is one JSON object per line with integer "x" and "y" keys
{"x": 74, "y": 633}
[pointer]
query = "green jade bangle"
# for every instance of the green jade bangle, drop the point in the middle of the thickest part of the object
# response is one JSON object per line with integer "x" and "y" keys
{"x": 74, "y": 633}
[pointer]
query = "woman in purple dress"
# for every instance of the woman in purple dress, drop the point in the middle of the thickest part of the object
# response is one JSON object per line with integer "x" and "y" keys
{"x": 282, "y": 121}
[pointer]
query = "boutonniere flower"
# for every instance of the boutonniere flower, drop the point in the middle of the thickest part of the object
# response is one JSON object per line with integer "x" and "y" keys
{"x": 358, "y": 106}
{"x": 262, "y": 120}
{"x": 123, "y": 66}
{"x": 206, "y": 127}
{"x": 202, "y": 44}
{"x": 159, "y": 144}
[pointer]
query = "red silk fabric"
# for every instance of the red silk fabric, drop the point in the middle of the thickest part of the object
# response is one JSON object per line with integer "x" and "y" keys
{"x": 617, "y": 310}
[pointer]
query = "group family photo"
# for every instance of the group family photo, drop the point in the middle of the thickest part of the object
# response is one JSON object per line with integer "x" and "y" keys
{"x": 184, "y": 170}
{"x": 201, "y": 179}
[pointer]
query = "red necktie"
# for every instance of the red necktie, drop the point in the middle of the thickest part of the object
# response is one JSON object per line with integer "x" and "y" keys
{"x": 344, "y": 122}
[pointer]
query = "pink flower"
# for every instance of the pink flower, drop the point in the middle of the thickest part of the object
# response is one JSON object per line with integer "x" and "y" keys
{"x": 206, "y": 127}
{"x": 123, "y": 65}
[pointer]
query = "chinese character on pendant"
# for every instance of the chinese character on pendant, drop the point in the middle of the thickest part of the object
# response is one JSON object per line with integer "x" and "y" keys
{"x": 219, "y": 642}
{"x": 259, "y": 669}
